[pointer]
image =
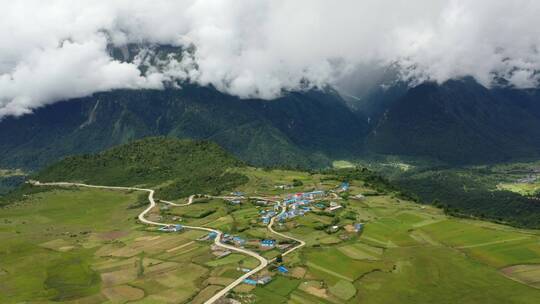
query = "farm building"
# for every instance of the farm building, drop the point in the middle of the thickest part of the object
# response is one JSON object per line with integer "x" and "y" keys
{"x": 171, "y": 228}
{"x": 250, "y": 282}
{"x": 238, "y": 193}
{"x": 283, "y": 269}
{"x": 344, "y": 186}
{"x": 334, "y": 206}
{"x": 268, "y": 243}
{"x": 264, "y": 280}
{"x": 358, "y": 227}
{"x": 244, "y": 270}
{"x": 333, "y": 228}
{"x": 283, "y": 187}
{"x": 238, "y": 241}
{"x": 235, "y": 202}
{"x": 313, "y": 194}
{"x": 359, "y": 197}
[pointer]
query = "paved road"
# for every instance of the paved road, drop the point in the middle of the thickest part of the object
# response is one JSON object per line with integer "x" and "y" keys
{"x": 263, "y": 261}
{"x": 271, "y": 224}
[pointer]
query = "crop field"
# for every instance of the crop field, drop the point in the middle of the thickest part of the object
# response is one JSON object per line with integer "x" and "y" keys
{"x": 527, "y": 274}
{"x": 521, "y": 188}
{"x": 86, "y": 246}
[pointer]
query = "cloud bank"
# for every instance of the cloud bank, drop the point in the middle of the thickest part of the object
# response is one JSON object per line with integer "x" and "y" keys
{"x": 59, "y": 49}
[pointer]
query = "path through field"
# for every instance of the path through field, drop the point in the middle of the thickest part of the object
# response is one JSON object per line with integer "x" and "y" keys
{"x": 263, "y": 261}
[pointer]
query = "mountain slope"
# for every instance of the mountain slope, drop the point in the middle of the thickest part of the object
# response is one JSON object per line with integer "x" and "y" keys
{"x": 299, "y": 129}
{"x": 460, "y": 122}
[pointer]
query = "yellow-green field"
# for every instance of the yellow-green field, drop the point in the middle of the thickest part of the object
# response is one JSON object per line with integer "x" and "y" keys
{"x": 526, "y": 189}
{"x": 84, "y": 246}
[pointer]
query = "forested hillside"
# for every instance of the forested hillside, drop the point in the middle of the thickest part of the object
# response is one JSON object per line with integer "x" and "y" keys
{"x": 301, "y": 129}
{"x": 176, "y": 167}
{"x": 460, "y": 122}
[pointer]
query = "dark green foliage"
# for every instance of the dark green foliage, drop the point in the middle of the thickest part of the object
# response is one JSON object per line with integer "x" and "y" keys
{"x": 460, "y": 122}
{"x": 297, "y": 183}
{"x": 8, "y": 183}
{"x": 299, "y": 129}
{"x": 371, "y": 179}
{"x": 18, "y": 194}
{"x": 468, "y": 196}
{"x": 179, "y": 167}
{"x": 209, "y": 185}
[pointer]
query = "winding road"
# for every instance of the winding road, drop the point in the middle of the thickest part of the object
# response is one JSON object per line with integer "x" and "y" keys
{"x": 263, "y": 261}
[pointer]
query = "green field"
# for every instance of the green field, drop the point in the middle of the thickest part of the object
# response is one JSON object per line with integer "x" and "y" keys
{"x": 86, "y": 246}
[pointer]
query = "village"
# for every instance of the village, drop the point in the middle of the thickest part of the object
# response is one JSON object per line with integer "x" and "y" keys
{"x": 283, "y": 211}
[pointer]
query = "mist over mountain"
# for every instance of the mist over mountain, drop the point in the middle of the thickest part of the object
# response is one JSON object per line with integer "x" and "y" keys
{"x": 300, "y": 129}
{"x": 257, "y": 49}
{"x": 458, "y": 122}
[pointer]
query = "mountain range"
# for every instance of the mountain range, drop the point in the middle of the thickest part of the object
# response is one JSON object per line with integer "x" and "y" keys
{"x": 459, "y": 122}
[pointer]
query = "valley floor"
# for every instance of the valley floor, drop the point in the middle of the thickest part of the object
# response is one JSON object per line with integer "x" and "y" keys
{"x": 87, "y": 246}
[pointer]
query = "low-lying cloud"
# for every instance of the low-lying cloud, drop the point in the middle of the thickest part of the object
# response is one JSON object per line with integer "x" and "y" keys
{"x": 58, "y": 49}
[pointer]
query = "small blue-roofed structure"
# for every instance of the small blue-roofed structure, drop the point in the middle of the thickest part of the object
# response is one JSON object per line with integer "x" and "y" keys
{"x": 283, "y": 269}
{"x": 358, "y": 227}
{"x": 266, "y": 220}
{"x": 268, "y": 243}
{"x": 250, "y": 282}
{"x": 212, "y": 235}
{"x": 238, "y": 193}
{"x": 344, "y": 186}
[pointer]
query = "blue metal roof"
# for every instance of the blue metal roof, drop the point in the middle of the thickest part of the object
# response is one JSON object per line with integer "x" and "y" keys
{"x": 250, "y": 281}
{"x": 282, "y": 269}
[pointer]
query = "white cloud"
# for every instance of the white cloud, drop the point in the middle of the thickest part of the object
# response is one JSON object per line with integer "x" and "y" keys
{"x": 55, "y": 50}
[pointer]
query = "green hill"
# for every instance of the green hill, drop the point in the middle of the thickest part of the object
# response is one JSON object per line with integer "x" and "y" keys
{"x": 176, "y": 167}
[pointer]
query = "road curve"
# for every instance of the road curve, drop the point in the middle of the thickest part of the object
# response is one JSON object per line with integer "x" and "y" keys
{"x": 272, "y": 220}
{"x": 263, "y": 261}
{"x": 217, "y": 240}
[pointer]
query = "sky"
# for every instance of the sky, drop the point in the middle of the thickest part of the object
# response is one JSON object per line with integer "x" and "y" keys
{"x": 58, "y": 49}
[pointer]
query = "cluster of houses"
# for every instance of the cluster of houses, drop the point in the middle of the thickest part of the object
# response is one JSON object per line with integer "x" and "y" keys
{"x": 266, "y": 215}
{"x": 300, "y": 203}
